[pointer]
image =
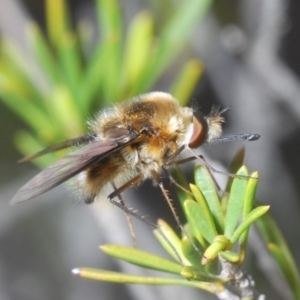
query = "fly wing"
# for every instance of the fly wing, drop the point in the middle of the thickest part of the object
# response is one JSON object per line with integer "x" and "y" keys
{"x": 85, "y": 139}
{"x": 67, "y": 167}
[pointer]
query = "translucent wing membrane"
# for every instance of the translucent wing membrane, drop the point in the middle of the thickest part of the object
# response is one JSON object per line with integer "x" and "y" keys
{"x": 74, "y": 142}
{"x": 67, "y": 167}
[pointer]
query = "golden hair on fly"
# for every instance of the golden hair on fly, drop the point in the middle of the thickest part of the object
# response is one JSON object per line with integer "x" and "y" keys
{"x": 128, "y": 143}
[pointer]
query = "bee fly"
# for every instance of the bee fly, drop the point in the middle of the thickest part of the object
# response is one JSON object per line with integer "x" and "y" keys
{"x": 129, "y": 143}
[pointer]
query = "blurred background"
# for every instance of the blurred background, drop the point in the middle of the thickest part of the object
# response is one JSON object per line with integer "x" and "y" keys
{"x": 242, "y": 54}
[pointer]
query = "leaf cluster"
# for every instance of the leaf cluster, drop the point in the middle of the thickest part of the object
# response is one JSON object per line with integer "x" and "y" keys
{"x": 71, "y": 75}
{"x": 217, "y": 228}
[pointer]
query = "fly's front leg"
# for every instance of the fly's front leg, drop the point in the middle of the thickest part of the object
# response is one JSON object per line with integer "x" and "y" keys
{"x": 173, "y": 181}
{"x": 165, "y": 193}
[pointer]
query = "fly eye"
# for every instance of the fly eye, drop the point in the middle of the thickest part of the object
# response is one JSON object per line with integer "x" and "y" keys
{"x": 200, "y": 131}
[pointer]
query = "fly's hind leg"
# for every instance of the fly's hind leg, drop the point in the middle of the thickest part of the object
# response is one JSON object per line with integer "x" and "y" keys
{"x": 130, "y": 212}
{"x": 132, "y": 182}
{"x": 117, "y": 193}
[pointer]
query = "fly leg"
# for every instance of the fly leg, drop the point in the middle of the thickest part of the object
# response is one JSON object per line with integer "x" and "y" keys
{"x": 157, "y": 178}
{"x": 174, "y": 182}
{"x": 130, "y": 212}
{"x": 128, "y": 218}
{"x": 213, "y": 170}
{"x": 134, "y": 181}
{"x": 117, "y": 193}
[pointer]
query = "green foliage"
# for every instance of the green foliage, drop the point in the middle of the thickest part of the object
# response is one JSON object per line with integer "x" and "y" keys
{"x": 218, "y": 230}
{"x": 280, "y": 252}
{"x": 74, "y": 75}
{"x": 221, "y": 229}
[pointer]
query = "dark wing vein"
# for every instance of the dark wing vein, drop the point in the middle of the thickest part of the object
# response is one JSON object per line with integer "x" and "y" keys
{"x": 73, "y": 142}
{"x": 67, "y": 167}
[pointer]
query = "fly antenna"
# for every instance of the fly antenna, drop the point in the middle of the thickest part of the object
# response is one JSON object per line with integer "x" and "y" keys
{"x": 236, "y": 136}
